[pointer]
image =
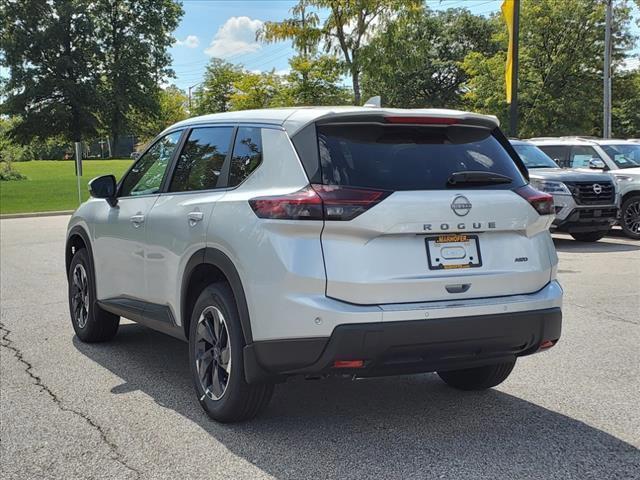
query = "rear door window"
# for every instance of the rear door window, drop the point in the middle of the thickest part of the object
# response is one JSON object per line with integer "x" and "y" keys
{"x": 247, "y": 154}
{"x": 201, "y": 159}
{"x": 409, "y": 157}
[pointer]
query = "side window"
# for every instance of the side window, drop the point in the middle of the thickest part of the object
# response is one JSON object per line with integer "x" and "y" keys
{"x": 201, "y": 159}
{"x": 247, "y": 154}
{"x": 580, "y": 156}
{"x": 558, "y": 153}
{"x": 146, "y": 175}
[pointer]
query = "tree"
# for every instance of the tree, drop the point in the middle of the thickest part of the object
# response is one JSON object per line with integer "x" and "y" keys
{"x": 214, "y": 94}
{"x": 625, "y": 111}
{"x": 259, "y": 90}
{"x": 350, "y": 23}
{"x": 302, "y": 28}
{"x": 315, "y": 81}
{"x": 417, "y": 61}
{"x": 134, "y": 37}
{"x": 172, "y": 104}
{"x": 561, "y": 61}
{"x": 53, "y": 60}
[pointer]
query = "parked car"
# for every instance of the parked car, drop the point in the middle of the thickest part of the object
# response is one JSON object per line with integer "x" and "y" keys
{"x": 352, "y": 241}
{"x": 620, "y": 157}
{"x": 586, "y": 203}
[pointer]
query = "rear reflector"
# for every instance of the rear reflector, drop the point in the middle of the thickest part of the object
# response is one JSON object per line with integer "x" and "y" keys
{"x": 318, "y": 202}
{"x": 422, "y": 120}
{"x": 540, "y": 201}
{"x": 547, "y": 344}
{"x": 348, "y": 364}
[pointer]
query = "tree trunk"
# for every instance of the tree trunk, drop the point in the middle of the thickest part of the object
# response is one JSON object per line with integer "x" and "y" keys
{"x": 355, "y": 78}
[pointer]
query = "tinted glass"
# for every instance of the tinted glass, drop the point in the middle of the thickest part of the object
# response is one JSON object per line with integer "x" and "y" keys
{"x": 409, "y": 158}
{"x": 201, "y": 160}
{"x": 582, "y": 155}
{"x": 624, "y": 156}
{"x": 557, "y": 153}
{"x": 533, "y": 157}
{"x": 146, "y": 175}
{"x": 247, "y": 154}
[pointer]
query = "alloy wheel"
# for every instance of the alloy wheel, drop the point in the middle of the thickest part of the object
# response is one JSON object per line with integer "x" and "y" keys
{"x": 80, "y": 295}
{"x": 631, "y": 217}
{"x": 213, "y": 352}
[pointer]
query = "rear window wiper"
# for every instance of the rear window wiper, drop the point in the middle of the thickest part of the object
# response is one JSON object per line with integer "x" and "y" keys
{"x": 477, "y": 178}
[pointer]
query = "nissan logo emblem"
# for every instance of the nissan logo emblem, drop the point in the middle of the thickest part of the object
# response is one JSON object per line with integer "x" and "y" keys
{"x": 597, "y": 188}
{"x": 461, "y": 205}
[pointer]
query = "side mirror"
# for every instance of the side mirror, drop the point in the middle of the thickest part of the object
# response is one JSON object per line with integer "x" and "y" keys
{"x": 135, "y": 155}
{"x": 596, "y": 164}
{"x": 104, "y": 187}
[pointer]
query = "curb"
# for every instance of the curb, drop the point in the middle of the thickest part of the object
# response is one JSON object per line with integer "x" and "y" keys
{"x": 35, "y": 214}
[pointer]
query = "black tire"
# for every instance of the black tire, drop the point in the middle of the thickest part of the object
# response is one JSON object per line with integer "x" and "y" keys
{"x": 589, "y": 236}
{"x": 90, "y": 322}
{"x": 479, "y": 378}
{"x": 630, "y": 217}
{"x": 223, "y": 391}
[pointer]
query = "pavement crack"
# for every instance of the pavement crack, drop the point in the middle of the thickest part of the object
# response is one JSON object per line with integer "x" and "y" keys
{"x": 608, "y": 313}
{"x": 7, "y": 343}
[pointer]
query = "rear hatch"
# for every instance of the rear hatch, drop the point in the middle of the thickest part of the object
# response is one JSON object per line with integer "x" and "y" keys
{"x": 442, "y": 211}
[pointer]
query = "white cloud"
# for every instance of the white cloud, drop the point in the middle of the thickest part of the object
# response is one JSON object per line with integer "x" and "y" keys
{"x": 190, "y": 42}
{"x": 235, "y": 37}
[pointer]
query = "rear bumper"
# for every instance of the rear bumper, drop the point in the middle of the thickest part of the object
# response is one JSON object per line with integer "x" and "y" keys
{"x": 413, "y": 346}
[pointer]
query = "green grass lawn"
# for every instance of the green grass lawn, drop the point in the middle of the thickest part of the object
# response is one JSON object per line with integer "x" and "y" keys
{"x": 51, "y": 185}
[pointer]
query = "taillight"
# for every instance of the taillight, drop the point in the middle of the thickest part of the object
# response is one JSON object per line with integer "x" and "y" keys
{"x": 318, "y": 202}
{"x": 540, "y": 201}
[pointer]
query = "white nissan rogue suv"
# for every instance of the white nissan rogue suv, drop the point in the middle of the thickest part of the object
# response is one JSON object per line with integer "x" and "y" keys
{"x": 322, "y": 241}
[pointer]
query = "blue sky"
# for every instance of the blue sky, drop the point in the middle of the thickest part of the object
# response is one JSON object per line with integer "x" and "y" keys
{"x": 226, "y": 29}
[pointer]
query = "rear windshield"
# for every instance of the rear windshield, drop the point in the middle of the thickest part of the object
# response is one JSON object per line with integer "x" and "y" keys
{"x": 392, "y": 157}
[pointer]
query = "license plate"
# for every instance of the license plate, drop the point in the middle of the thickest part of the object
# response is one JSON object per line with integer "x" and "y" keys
{"x": 451, "y": 251}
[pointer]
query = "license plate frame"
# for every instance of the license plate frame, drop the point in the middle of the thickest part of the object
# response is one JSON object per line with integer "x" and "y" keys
{"x": 470, "y": 244}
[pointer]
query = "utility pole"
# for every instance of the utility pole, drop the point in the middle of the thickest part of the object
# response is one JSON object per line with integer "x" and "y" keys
{"x": 513, "y": 107}
{"x": 191, "y": 88}
{"x": 606, "y": 129}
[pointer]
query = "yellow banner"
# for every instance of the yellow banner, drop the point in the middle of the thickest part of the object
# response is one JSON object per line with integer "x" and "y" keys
{"x": 507, "y": 12}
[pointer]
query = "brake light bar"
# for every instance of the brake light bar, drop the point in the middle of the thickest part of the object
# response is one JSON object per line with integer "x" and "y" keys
{"x": 540, "y": 201}
{"x": 348, "y": 364}
{"x": 318, "y": 202}
{"x": 422, "y": 120}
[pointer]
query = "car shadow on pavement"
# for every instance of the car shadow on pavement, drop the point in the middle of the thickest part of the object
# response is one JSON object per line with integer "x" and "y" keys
{"x": 601, "y": 246}
{"x": 395, "y": 427}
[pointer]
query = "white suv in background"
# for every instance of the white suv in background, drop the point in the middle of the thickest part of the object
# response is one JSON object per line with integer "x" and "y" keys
{"x": 322, "y": 241}
{"x": 620, "y": 157}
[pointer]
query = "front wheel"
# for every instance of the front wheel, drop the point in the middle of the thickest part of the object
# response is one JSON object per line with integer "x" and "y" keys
{"x": 215, "y": 356}
{"x": 479, "y": 378}
{"x": 589, "y": 236}
{"x": 630, "y": 217}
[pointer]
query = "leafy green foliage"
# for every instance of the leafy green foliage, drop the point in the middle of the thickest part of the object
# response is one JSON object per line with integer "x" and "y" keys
{"x": 172, "y": 108}
{"x": 417, "y": 61}
{"x": 259, "y": 90}
{"x": 134, "y": 36}
{"x": 53, "y": 59}
{"x": 625, "y": 110}
{"x": 561, "y": 59}
{"x": 316, "y": 81}
{"x": 214, "y": 94}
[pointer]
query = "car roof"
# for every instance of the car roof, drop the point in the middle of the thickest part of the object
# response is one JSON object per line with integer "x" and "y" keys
{"x": 578, "y": 141}
{"x": 294, "y": 119}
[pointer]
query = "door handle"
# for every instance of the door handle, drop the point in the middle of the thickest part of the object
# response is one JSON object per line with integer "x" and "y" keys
{"x": 194, "y": 217}
{"x": 137, "y": 220}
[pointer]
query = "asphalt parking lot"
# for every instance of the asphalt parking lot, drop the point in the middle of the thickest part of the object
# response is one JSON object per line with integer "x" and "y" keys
{"x": 126, "y": 409}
